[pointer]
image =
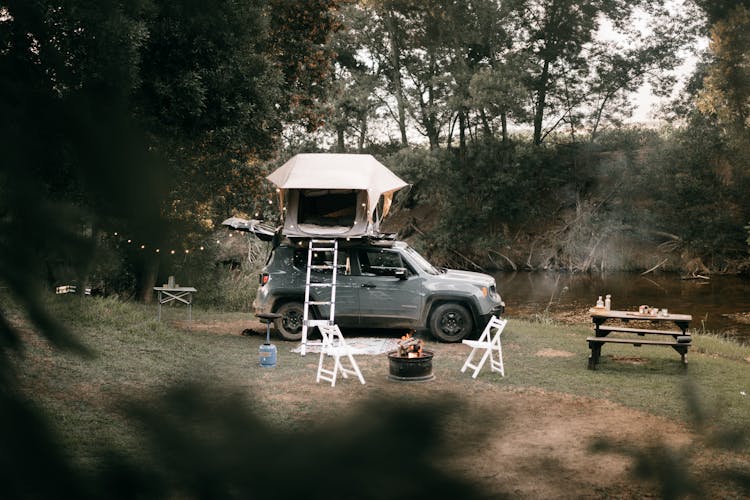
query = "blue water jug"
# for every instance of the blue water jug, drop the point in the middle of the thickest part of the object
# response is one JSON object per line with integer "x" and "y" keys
{"x": 267, "y": 355}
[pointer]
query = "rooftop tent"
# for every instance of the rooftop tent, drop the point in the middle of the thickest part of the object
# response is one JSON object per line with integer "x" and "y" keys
{"x": 334, "y": 194}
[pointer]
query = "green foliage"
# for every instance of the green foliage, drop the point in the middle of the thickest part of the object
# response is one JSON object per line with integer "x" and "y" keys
{"x": 697, "y": 194}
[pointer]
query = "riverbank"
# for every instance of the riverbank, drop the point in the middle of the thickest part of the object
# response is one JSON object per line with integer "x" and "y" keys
{"x": 549, "y": 413}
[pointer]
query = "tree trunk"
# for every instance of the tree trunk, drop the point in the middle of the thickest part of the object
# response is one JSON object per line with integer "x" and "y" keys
{"x": 395, "y": 57}
{"x": 485, "y": 123}
{"x": 462, "y": 132}
{"x": 504, "y": 126}
{"x": 597, "y": 120}
{"x": 430, "y": 118}
{"x": 541, "y": 98}
{"x": 147, "y": 279}
{"x": 340, "y": 145}
{"x": 362, "y": 131}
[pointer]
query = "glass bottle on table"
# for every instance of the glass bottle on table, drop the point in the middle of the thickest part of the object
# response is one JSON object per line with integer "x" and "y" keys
{"x": 608, "y": 303}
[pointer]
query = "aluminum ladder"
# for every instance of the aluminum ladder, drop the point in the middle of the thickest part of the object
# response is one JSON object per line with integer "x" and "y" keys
{"x": 319, "y": 245}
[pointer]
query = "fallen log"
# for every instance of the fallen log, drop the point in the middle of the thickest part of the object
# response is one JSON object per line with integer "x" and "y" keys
{"x": 512, "y": 265}
{"x": 655, "y": 267}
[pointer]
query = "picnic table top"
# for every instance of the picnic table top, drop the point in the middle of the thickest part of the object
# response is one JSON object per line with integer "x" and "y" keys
{"x": 175, "y": 289}
{"x": 635, "y": 315}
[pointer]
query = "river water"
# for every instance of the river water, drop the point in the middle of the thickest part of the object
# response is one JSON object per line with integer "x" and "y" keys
{"x": 720, "y": 305}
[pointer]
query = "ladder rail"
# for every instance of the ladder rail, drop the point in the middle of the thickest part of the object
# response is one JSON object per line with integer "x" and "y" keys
{"x": 322, "y": 245}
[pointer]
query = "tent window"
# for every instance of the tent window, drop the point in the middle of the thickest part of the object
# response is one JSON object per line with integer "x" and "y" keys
{"x": 327, "y": 208}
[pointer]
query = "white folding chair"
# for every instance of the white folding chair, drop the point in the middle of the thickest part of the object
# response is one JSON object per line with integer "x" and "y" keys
{"x": 335, "y": 346}
{"x": 489, "y": 343}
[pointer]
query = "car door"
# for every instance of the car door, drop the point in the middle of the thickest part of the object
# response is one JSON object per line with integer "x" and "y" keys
{"x": 390, "y": 292}
{"x": 347, "y": 292}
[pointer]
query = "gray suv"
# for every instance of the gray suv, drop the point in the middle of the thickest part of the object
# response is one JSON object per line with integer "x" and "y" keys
{"x": 381, "y": 284}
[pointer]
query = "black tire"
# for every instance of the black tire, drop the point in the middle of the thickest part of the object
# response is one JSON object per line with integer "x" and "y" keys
{"x": 289, "y": 324}
{"x": 451, "y": 322}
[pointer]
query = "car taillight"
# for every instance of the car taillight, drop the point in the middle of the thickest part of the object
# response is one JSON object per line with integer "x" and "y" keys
{"x": 263, "y": 278}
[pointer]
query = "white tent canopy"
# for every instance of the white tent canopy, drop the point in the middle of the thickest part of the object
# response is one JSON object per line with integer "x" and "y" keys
{"x": 334, "y": 195}
{"x": 339, "y": 171}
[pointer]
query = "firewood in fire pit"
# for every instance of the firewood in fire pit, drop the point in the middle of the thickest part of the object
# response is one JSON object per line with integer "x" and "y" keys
{"x": 410, "y": 346}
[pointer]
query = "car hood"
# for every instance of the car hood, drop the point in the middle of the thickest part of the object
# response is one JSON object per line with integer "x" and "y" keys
{"x": 469, "y": 276}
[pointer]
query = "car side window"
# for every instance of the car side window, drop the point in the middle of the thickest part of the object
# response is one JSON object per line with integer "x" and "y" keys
{"x": 379, "y": 262}
{"x": 321, "y": 258}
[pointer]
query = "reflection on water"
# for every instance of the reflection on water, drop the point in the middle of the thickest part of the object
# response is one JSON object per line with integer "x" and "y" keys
{"x": 719, "y": 305}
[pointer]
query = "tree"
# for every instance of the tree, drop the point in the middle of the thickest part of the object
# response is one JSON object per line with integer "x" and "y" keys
{"x": 351, "y": 100}
{"x": 498, "y": 92}
{"x": 574, "y": 73}
{"x": 726, "y": 86}
{"x": 73, "y": 157}
{"x": 379, "y": 26}
{"x": 298, "y": 45}
{"x": 128, "y": 114}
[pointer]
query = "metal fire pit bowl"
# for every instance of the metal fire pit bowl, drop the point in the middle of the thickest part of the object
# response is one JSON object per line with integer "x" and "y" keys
{"x": 404, "y": 369}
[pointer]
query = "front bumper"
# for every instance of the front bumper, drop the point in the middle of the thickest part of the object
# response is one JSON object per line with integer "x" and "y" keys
{"x": 498, "y": 311}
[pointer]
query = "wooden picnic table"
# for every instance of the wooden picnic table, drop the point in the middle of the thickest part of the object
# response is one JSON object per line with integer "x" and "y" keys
{"x": 679, "y": 339}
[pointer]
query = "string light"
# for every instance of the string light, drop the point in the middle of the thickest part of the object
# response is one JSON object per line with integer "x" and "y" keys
{"x": 185, "y": 251}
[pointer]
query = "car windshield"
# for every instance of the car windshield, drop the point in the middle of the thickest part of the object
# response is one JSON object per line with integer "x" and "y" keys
{"x": 421, "y": 262}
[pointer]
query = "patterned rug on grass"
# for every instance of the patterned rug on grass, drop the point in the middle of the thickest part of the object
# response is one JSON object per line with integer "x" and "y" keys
{"x": 363, "y": 345}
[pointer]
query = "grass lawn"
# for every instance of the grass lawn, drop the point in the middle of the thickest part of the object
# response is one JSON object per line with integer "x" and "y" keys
{"x": 104, "y": 401}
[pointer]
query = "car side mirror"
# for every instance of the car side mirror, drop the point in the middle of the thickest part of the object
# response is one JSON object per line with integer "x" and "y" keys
{"x": 401, "y": 273}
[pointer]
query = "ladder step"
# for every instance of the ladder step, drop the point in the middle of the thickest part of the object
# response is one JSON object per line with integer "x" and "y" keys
{"x": 317, "y": 249}
{"x": 319, "y": 322}
{"x": 318, "y": 240}
{"x": 320, "y": 302}
{"x": 321, "y": 267}
{"x": 317, "y": 285}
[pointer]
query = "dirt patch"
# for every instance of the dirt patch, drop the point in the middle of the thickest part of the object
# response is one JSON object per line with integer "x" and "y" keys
{"x": 543, "y": 449}
{"x": 553, "y": 353}
{"x": 239, "y": 327}
{"x": 628, "y": 360}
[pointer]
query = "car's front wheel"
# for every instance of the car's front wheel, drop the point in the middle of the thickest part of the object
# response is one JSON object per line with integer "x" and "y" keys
{"x": 289, "y": 324}
{"x": 451, "y": 322}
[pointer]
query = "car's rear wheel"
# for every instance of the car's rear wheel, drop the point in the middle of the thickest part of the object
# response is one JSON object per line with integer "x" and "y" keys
{"x": 451, "y": 322}
{"x": 289, "y": 324}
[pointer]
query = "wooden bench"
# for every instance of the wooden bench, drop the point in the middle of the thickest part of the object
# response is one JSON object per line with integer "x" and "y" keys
{"x": 681, "y": 343}
{"x": 640, "y": 331}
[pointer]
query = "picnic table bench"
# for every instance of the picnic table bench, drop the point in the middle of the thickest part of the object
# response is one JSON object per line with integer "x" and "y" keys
{"x": 680, "y": 339}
